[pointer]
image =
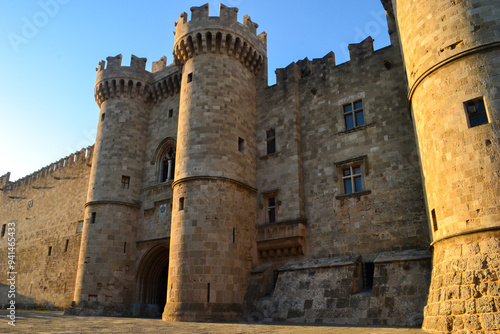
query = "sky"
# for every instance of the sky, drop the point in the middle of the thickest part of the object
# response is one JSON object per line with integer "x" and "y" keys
{"x": 49, "y": 50}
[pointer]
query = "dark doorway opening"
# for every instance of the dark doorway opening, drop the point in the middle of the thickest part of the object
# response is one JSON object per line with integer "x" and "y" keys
{"x": 152, "y": 279}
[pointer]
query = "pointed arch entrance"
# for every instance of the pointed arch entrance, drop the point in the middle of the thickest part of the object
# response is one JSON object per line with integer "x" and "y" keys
{"x": 152, "y": 278}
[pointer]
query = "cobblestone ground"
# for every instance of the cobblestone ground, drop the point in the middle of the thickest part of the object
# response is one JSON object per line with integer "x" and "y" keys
{"x": 56, "y": 322}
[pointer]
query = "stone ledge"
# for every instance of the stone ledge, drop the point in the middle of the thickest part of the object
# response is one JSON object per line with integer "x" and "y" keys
{"x": 407, "y": 255}
{"x": 339, "y": 261}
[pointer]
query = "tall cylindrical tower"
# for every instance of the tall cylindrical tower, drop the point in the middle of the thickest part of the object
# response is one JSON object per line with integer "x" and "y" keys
{"x": 106, "y": 265}
{"x": 452, "y": 56}
{"x": 212, "y": 241}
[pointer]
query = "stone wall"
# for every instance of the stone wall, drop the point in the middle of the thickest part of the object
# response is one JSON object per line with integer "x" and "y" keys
{"x": 465, "y": 291}
{"x": 47, "y": 208}
{"x": 330, "y": 291}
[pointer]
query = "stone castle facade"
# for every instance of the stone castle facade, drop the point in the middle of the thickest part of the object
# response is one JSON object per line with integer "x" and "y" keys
{"x": 209, "y": 195}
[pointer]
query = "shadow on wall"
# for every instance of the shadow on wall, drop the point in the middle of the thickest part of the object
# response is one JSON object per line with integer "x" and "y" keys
{"x": 21, "y": 301}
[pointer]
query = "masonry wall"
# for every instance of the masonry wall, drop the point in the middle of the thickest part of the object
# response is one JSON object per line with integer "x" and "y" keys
{"x": 46, "y": 208}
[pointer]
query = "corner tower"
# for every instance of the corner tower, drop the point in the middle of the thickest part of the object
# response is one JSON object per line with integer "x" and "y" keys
{"x": 452, "y": 56}
{"x": 105, "y": 273}
{"x": 212, "y": 245}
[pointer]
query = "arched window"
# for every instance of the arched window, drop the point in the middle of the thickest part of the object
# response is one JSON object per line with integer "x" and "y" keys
{"x": 164, "y": 159}
{"x": 167, "y": 166}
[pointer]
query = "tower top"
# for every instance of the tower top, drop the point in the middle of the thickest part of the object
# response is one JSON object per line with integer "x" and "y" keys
{"x": 221, "y": 34}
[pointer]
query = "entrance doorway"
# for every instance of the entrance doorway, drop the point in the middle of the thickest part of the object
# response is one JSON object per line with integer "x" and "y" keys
{"x": 152, "y": 280}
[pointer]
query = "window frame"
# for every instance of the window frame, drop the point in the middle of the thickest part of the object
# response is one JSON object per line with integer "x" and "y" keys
{"x": 339, "y": 177}
{"x": 353, "y": 112}
{"x": 269, "y": 140}
{"x": 266, "y": 198}
{"x": 125, "y": 182}
{"x": 478, "y": 101}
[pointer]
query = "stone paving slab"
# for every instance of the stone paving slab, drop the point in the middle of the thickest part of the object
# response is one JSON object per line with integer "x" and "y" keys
{"x": 56, "y": 322}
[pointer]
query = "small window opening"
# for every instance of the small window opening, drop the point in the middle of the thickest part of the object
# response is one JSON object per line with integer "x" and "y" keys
{"x": 190, "y": 77}
{"x": 368, "y": 272}
{"x": 234, "y": 235}
{"x": 50, "y": 250}
{"x": 80, "y": 226}
{"x": 271, "y": 141}
{"x": 181, "y": 203}
{"x": 353, "y": 115}
{"x": 351, "y": 177}
{"x": 434, "y": 220}
{"x": 271, "y": 209}
{"x": 124, "y": 247}
{"x": 241, "y": 145}
{"x": 208, "y": 292}
{"x": 66, "y": 246}
{"x": 4, "y": 226}
{"x": 103, "y": 116}
{"x": 93, "y": 217}
{"x": 170, "y": 113}
{"x": 125, "y": 182}
{"x": 476, "y": 112}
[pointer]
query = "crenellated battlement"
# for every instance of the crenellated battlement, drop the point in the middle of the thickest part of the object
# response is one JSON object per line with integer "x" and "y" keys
{"x": 57, "y": 170}
{"x": 221, "y": 34}
{"x": 134, "y": 81}
{"x": 359, "y": 52}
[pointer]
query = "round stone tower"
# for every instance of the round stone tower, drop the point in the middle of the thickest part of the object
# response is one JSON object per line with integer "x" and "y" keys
{"x": 106, "y": 265}
{"x": 452, "y": 56}
{"x": 214, "y": 196}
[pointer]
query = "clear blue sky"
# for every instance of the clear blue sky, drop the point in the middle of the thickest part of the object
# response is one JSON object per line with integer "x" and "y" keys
{"x": 50, "y": 49}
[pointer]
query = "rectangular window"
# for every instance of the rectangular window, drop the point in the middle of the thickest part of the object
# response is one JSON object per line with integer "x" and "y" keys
{"x": 234, "y": 235}
{"x": 434, "y": 220}
{"x": 80, "y": 226}
{"x": 353, "y": 115}
{"x": 103, "y": 116}
{"x": 4, "y": 226}
{"x": 93, "y": 217}
{"x": 241, "y": 145}
{"x": 476, "y": 112}
{"x": 66, "y": 247}
{"x": 271, "y": 141}
{"x": 190, "y": 77}
{"x": 125, "y": 248}
{"x": 125, "y": 182}
{"x": 170, "y": 113}
{"x": 50, "y": 250}
{"x": 352, "y": 180}
{"x": 271, "y": 209}
{"x": 181, "y": 203}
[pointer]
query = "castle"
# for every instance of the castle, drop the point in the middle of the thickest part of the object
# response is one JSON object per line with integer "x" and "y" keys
{"x": 363, "y": 193}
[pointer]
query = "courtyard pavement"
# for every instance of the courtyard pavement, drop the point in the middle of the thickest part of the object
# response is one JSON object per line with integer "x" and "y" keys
{"x": 55, "y": 322}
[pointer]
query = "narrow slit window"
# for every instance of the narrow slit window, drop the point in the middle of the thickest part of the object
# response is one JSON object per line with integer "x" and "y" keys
{"x": 103, "y": 116}
{"x": 50, "y": 251}
{"x": 476, "y": 112}
{"x": 368, "y": 273}
{"x": 241, "y": 145}
{"x": 181, "y": 203}
{"x": 170, "y": 113}
{"x": 234, "y": 235}
{"x": 208, "y": 292}
{"x": 271, "y": 141}
{"x": 4, "y": 226}
{"x": 271, "y": 209}
{"x": 190, "y": 77}
{"x": 66, "y": 246}
{"x": 93, "y": 217}
{"x": 125, "y": 248}
{"x": 434, "y": 220}
{"x": 125, "y": 182}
